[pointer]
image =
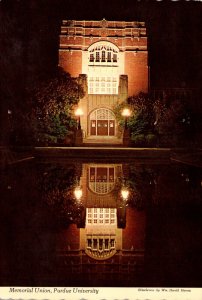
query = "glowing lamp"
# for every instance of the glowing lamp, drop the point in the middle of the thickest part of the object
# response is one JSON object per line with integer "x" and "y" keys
{"x": 124, "y": 193}
{"x": 78, "y": 193}
{"x": 78, "y": 112}
{"x": 126, "y": 112}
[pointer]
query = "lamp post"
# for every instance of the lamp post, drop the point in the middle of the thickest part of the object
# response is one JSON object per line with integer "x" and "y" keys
{"x": 126, "y": 113}
{"x": 126, "y": 133}
{"x": 79, "y": 113}
{"x": 79, "y": 134}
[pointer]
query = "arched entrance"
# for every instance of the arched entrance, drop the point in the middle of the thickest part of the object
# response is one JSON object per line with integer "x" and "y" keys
{"x": 102, "y": 122}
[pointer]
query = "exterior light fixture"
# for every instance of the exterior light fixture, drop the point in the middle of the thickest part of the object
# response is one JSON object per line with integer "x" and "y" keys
{"x": 79, "y": 113}
{"x": 126, "y": 113}
{"x": 78, "y": 193}
{"x": 124, "y": 193}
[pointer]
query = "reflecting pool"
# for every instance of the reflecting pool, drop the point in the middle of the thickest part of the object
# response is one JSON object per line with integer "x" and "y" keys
{"x": 93, "y": 223}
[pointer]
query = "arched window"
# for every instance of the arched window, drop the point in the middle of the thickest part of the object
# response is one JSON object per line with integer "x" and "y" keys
{"x": 104, "y": 53}
{"x": 103, "y": 74}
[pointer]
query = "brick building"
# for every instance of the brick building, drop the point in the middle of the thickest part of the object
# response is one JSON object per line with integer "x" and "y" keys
{"x": 111, "y": 60}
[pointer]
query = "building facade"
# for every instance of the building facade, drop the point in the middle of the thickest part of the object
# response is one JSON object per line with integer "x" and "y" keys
{"x": 110, "y": 58}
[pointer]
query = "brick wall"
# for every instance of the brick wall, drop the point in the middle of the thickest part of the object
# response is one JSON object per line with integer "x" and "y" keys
{"x": 137, "y": 70}
{"x": 71, "y": 61}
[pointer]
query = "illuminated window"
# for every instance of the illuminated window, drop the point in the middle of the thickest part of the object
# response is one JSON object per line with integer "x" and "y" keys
{"x": 112, "y": 242}
{"x": 98, "y": 246}
{"x": 114, "y": 57}
{"x": 98, "y": 216}
{"x": 98, "y": 85}
{"x": 89, "y": 242}
{"x": 97, "y": 57}
{"x": 103, "y": 59}
{"x": 103, "y": 56}
{"x": 106, "y": 243}
{"x": 91, "y": 57}
{"x": 109, "y": 57}
{"x": 94, "y": 243}
{"x": 104, "y": 53}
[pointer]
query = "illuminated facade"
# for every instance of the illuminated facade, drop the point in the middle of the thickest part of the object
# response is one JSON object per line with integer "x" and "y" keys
{"x": 110, "y": 58}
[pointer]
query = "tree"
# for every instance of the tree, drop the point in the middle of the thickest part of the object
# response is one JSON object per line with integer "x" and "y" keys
{"x": 52, "y": 103}
{"x": 141, "y": 122}
{"x": 167, "y": 121}
{"x": 56, "y": 184}
{"x": 174, "y": 120}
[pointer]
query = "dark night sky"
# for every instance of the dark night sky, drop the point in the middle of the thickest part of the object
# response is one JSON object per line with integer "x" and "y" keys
{"x": 30, "y": 31}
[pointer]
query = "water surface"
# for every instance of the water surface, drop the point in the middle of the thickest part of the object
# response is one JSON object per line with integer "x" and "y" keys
{"x": 92, "y": 223}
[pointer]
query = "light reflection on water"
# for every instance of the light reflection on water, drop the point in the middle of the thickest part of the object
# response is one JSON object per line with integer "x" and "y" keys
{"x": 101, "y": 224}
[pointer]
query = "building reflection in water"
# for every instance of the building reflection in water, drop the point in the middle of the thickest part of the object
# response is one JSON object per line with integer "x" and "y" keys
{"x": 106, "y": 247}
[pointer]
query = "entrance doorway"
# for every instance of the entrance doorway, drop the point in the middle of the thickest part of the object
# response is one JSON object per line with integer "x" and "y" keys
{"x": 102, "y": 122}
